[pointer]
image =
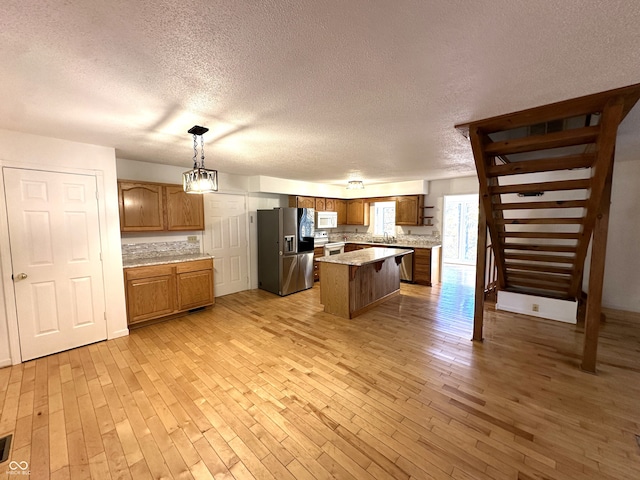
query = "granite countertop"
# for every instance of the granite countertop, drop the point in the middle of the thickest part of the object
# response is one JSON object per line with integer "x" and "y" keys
{"x": 364, "y": 256}
{"x": 398, "y": 245}
{"x": 145, "y": 262}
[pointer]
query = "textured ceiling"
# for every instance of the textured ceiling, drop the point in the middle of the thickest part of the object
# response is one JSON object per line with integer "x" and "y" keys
{"x": 309, "y": 89}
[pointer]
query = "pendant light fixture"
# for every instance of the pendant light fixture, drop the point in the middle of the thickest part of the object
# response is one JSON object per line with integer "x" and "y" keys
{"x": 200, "y": 179}
{"x": 355, "y": 185}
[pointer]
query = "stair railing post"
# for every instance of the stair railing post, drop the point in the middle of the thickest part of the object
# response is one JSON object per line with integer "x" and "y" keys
{"x": 481, "y": 265}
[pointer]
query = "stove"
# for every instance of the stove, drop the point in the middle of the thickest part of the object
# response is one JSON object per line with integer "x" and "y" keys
{"x": 320, "y": 238}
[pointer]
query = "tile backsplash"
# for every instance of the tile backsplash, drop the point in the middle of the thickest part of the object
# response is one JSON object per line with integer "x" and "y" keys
{"x": 136, "y": 251}
{"x": 433, "y": 238}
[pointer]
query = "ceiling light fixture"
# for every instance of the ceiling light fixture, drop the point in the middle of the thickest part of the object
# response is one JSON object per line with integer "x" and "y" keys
{"x": 355, "y": 185}
{"x": 200, "y": 179}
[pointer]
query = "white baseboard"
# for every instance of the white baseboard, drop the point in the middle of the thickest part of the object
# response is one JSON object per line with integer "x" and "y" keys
{"x": 118, "y": 333}
{"x": 5, "y": 362}
{"x": 549, "y": 308}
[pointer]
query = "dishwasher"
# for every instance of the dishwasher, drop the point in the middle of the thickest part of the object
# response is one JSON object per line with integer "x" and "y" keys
{"x": 406, "y": 268}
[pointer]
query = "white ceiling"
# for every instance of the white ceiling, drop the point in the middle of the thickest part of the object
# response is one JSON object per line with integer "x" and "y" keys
{"x": 311, "y": 90}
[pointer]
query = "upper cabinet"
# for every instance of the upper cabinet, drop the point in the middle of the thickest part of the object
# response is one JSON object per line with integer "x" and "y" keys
{"x": 409, "y": 210}
{"x": 147, "y": 206}
{"x": 321, "y": 205}
{"x": 340, "y": 206}
{"x": 184, "y": 211}
{"x": 302, "y": 202}
{"x": 357, "y": 212}
{"x": 141, "y": 207}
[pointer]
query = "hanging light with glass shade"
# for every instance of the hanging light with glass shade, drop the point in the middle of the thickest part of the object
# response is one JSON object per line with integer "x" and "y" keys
{"x": 200, "y": 179}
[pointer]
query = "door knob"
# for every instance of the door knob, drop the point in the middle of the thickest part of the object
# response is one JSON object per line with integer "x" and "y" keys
{"x": 21, "y": 276}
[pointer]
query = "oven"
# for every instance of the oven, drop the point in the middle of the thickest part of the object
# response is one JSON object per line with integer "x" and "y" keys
{"x": 333, "y": 248}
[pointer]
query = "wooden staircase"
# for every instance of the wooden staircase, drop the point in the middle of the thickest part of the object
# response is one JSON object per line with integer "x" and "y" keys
{"x": 545, "y": 184}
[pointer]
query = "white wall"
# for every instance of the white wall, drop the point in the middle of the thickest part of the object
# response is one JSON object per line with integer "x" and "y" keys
{"x": 437, "y": 191}
{"x": 24, "y": 150}
{"x": 622, "y": 267}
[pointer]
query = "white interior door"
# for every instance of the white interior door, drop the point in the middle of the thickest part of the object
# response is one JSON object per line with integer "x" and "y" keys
{"x": 225, "y": 238}
{"x": 54, "y": 231}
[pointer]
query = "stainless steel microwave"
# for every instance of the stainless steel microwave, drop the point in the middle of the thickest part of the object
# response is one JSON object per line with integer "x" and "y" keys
{"x": 326, "y": 220}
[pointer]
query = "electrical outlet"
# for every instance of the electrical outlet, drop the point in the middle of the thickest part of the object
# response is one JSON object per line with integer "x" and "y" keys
{"x": 192, "y": 239}
{"x": 535, "y": 307}
{"x": 356, "y": 230}
{"x": 408, "y": 232}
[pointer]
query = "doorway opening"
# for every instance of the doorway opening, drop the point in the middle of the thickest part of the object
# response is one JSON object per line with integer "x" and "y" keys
{"x": 460, "y": 239}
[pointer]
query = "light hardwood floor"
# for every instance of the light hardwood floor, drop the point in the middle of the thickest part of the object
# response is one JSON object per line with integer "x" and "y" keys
{"x": 266, "y": 387}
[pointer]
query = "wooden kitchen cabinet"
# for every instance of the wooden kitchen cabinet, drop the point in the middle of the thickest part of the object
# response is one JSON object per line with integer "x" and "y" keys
{"x": 317, "y": 252}
{"x": 157, "y": 291}
{"x": 148, "y": 206}
{"x": 141, "y": 207}
{"x": 194, "y": 284}
{"x": 352, "y": 247}
{"x": 150, "y": 292}
{"x": 340, "y": 207}
{"x": 302, "y": 202}
{"x": 329, "y": 204}
{"x": 321, "y": 204}
{"x": 184, "y": 211}
{"x": 426, "y": 266}
{"x": 409, "y": 210}
{"x": 357, "y": 212}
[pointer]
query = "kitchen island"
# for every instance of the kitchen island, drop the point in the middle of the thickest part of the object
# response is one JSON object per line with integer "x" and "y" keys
{"x": 355, "y": 282}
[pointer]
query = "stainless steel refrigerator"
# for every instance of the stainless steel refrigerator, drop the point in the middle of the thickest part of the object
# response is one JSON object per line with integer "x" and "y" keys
{"x": 285, "y": 250}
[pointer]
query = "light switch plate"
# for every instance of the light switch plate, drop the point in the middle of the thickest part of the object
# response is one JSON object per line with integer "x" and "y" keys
{"x": 192, "y": 239}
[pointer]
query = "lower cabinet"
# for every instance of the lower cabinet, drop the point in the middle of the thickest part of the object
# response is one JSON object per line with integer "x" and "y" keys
{"x": 426, "y": 266}
{"x": 317, "y": 252}
{"x": 159, "y": 290}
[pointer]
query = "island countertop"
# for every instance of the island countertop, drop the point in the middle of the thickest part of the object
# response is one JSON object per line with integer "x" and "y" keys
{"x": 362, "y": 257}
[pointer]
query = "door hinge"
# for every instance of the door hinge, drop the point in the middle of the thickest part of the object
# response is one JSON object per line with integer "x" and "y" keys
{"x": 97, "y": 195}
{"x": 105, "y": 315}
{"x": 100, "y": 256}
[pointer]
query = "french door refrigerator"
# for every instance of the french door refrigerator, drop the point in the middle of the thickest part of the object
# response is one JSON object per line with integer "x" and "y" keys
{"x": 285, "y": 250}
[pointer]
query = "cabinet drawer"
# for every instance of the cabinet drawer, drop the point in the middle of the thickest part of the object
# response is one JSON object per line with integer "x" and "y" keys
{"x": 147, "y": 272}
{"x": 206, "y": 264}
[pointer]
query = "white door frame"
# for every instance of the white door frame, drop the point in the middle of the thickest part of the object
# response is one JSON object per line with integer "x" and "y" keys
{"x": 7, "y": 300}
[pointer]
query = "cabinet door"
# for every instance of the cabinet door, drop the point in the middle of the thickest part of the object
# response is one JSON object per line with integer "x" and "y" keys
{"x": 341, "y": 209}
{"x": 140, "y": 207}
{"x": 329, "y": 204}
{"x": 306, "y": 202}
{"x": 150, "y": 297}
{"x": 408, "y": 210}
{"x": 320, "y": 205}
{"x": 184, "y": 211}
{"x": 195, "y": 289}
{"x": 357, "y": 212}
{"x": 422, "y": 266}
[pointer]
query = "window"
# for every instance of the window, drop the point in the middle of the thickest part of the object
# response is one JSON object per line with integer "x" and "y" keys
{"x": 384, "y": 218}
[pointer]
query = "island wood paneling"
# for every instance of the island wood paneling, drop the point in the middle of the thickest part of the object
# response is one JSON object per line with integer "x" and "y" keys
{"x": 272, "y": 387}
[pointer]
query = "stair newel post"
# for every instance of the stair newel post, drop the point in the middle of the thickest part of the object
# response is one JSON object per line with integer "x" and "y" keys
{"x": 596, "y": 279}
{"x": 481, "y": 265}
